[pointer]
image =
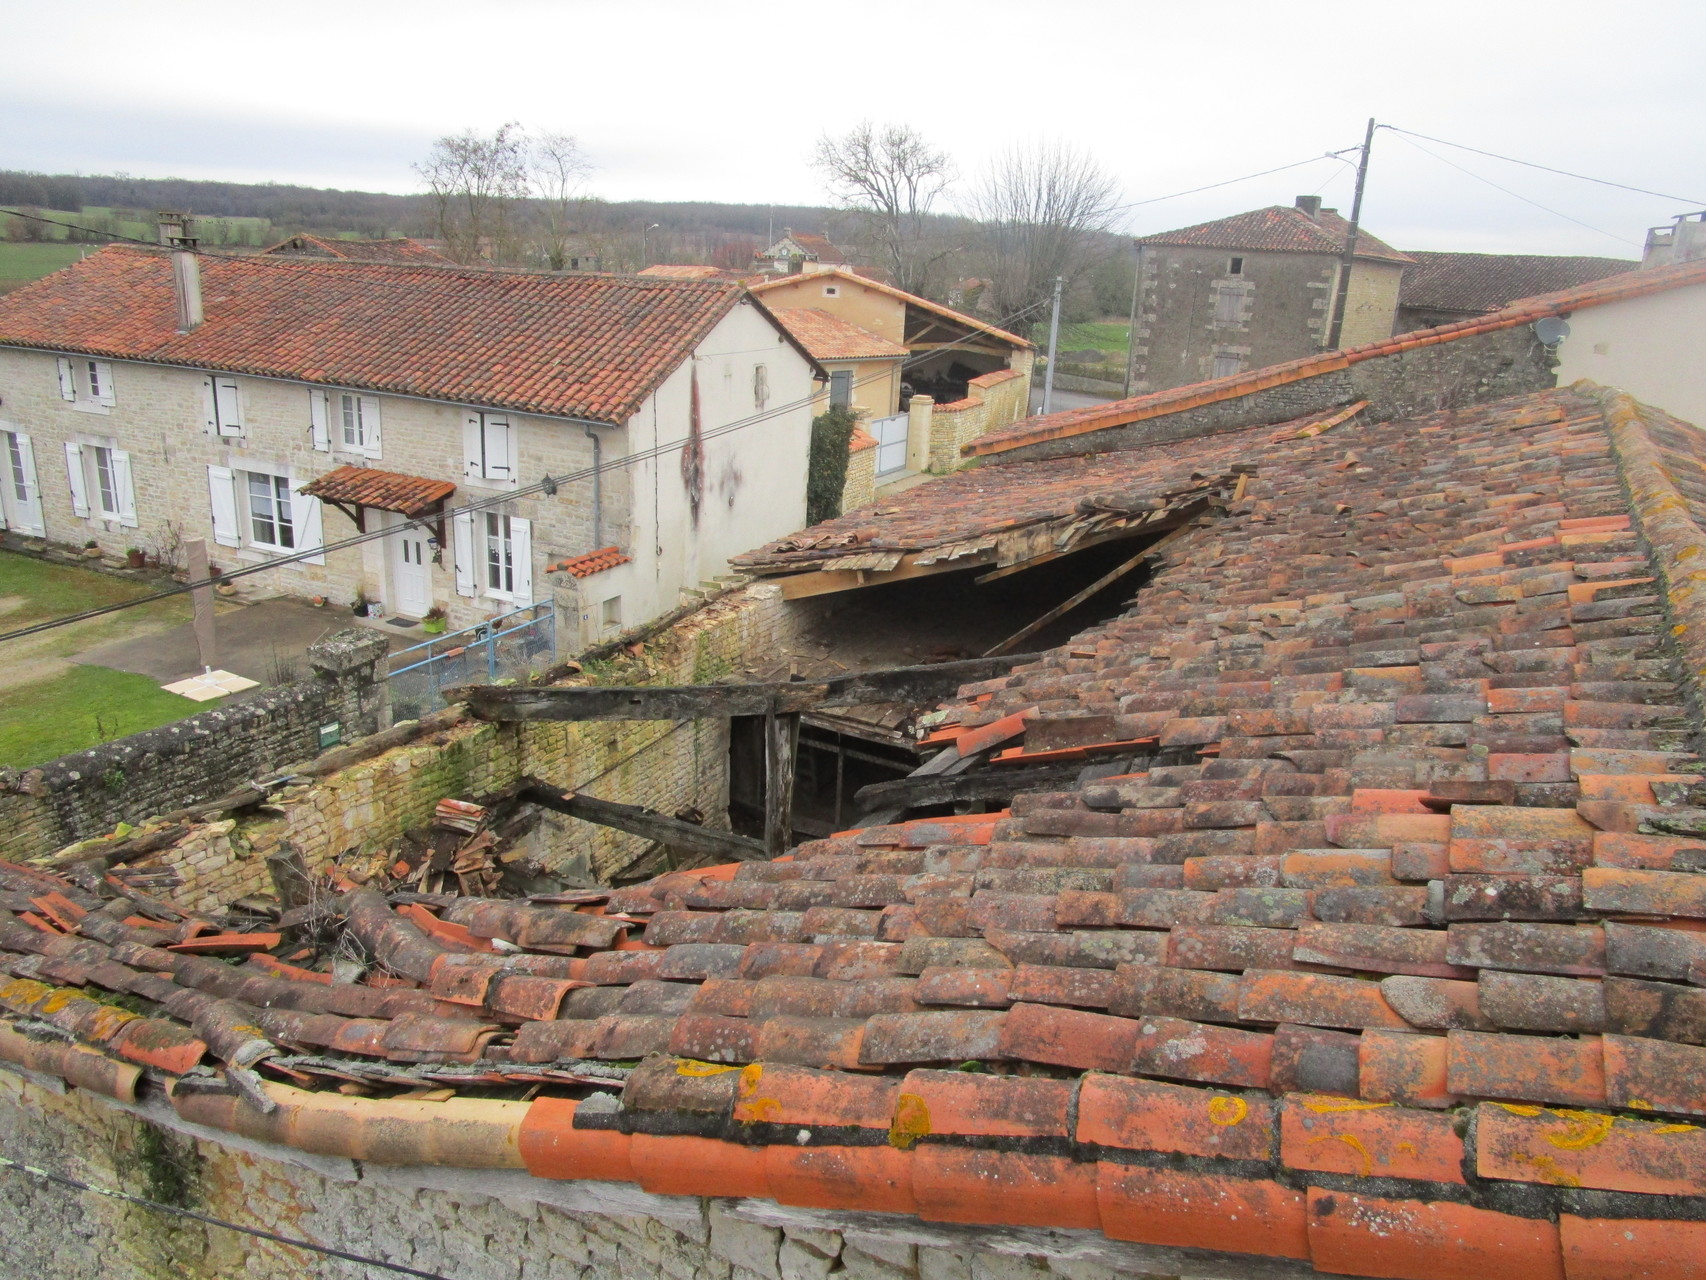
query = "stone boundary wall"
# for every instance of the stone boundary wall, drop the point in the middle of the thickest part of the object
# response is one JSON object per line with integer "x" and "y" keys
{"x": 1411, "y": 383}
{"x": 993, "y": 401}
{"x": 204, "y": 756}
{"x": 662, "y": 765}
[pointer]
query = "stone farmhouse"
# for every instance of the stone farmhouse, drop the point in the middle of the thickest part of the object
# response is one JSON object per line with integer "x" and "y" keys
{"x": 303, "y": 400}
{"x": 1253, "y": 290}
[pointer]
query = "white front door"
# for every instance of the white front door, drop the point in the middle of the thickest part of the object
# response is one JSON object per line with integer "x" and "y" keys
{"x": 411, "y": 573}
{"x": 890, "y": 435}
{"x": 20, "y": 495}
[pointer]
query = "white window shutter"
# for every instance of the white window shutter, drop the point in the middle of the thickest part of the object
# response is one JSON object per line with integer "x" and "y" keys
{"x": 462, "y": 539}
{"x": 370, "y": 425}
{"x": 521, "y": 550}
{"x": 222, "y": 491}
{"x": 305, "y": 508}
{"x": 229, "y": 407}
{"x": 31, "y": 498}
{"x": 500, "y": 450}
{"x": 126, "y": 488}
{"x": 209, "y": 411}
{"x": 79, "y": 479}
{"x": 67, "y": 380}
{"x": 319, "y": 430}
{"x": 473, "y": 457}
{"x": 104, "y": 371}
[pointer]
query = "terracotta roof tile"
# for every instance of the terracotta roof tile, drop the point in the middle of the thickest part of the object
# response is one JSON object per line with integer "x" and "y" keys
{"x": 1278, "y": 229}
{"x": 1472, "y": 282}
{"x": 398, "y": 249}
{"x": 576, "y": 345}
{"x": 829, "y": 337}
{"x": 386, "y": 490}
{"x": 910, "y": 299}
{"x": 592, "y": 562}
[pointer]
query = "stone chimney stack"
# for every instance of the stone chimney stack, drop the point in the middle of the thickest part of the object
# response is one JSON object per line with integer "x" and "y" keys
{"x": 1311, "y": 207}
{"x": 177, "y": 232}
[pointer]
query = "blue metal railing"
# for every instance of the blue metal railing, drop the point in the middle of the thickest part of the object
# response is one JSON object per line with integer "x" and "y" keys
{"x": 503, "y": 646}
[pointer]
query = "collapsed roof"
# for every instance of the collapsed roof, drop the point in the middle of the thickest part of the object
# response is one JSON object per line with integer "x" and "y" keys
{"x": 1368, "y": 939}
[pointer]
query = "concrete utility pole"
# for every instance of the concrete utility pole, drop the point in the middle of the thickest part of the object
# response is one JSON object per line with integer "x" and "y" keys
{"x": 1350, "y": 244}
{"x": 202, "y": 600}
{"x": 1053, "y": 342}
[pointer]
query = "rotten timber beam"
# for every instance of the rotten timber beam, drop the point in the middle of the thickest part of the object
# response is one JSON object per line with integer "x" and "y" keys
{"x": 918, "y": 686}
{"x": 672, "y": 832}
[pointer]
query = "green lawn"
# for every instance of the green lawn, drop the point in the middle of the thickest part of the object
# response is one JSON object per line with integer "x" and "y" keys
{"x": 1110, "y": 336}
{"x": 85, "y": 706}
{"x": 21, "y": 263}
{"x": 32, "y": 589}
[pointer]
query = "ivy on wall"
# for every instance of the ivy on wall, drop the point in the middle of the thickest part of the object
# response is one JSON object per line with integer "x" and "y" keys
{"x": 826, "y": 470}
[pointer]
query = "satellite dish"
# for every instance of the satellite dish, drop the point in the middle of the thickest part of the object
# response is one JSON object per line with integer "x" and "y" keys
{"x": 1551, "y": 330}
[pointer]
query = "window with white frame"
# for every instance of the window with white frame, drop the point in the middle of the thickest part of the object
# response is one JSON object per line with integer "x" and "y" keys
{"x": 358, "y": 419}
{"x": 106, "y": 482}
{"x": 500, "y": 556}
{"x": 87, "y": 384}
{"x": 100, "y": 480}
{"x": 272, "y": 523}
{"x": 488, "y": 446}
{"x": 760, "y": 386}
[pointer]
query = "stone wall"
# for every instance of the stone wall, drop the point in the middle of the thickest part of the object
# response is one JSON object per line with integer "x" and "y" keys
{"x": 993, "y": 401}
{"x": 1422, "y": 380}
{"x": 463, "y": 1225}
{"x": 859, "y": 489}
{"x": 207, "y": 755}
{"x": 663, "y": 765}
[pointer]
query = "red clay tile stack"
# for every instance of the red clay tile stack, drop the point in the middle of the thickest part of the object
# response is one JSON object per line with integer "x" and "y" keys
{"x": 1385, "y": 953}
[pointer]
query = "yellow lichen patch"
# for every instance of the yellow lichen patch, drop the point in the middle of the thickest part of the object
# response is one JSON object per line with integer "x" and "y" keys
{"x": 1549, "y": 1170}
{"x": 693, "y": 1067}
{"x": 911, "y": 1121}
{"x": 1355, "y": 1144}
{"x": 749, "y": 1077}
{"x": 1585, "y": 1129}
{"x": 1227, "y": 1111}
{"x": 1325, "y": 1106}
{"x": 1520, "y": 1108}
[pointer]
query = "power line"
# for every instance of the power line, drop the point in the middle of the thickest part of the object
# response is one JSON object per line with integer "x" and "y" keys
{"x": 1403, "y": 137}
{"x": 1137, "y": 204}
{"x": 1565, "y": 173}
{"x": 125, "y": 1196}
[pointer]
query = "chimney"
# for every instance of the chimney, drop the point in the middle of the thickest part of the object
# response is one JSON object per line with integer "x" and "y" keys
{"x": 177, "y": 232}
{"x": 1310, "y": 207}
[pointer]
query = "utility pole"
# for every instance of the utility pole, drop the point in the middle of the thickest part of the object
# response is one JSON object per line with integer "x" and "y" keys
{"x": 1131, "y": 328}
{"x": 1350, "y": 244}
{"x": 1053, "y": 342}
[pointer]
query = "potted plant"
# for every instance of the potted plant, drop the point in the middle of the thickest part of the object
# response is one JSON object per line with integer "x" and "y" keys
{"x": 435, "y": 621}
{"x": 135, "y": 558}
{"x": 91, "y": 550}
{"x": 360, "y": 606}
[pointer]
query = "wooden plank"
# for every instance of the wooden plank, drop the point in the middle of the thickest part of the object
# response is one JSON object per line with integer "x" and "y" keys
{"x": 781, "y": 742}
{"x": 824, "y": 582}
{"x": 917, "y": 686}
{"x": 671, "y": 832}
{"x": 1072, "y": 601}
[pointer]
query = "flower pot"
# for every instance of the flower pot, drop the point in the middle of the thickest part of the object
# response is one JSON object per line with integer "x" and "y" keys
{"x": 136, "y": 559}
{"x": 91, "y": 553}
{"x": 433, "y": 626}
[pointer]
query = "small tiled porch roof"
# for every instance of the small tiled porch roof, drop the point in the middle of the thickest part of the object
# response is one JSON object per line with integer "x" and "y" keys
{"x": 590, "y": 563}
{"x": 385, "y": 490}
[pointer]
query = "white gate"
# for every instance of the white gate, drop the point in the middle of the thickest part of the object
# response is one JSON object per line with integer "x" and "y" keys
{"x": 890, "y": 434}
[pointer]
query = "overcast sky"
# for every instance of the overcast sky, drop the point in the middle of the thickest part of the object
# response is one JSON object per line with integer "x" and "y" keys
{"x": 695, "y": 101}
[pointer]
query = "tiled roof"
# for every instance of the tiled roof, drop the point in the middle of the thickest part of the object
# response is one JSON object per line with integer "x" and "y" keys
{"x": 1074, "y": 422}
{"x": 911, "y": 299}
{"x": 386, "y": 490}
{"x": 397, "y": 249}
{"x": 1471, "y": 282}
{"x": 688, "y": 271}
{"x": 1278, "y": 229}
{"x": 592, "y": 562}
{"x": 830, "y": 337}
{"x": 574, "y": 345}
{"x": 1371, "y": 944}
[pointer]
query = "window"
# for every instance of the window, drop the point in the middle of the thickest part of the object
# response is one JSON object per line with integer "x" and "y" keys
{"x": 1235, "y": 267}
{"x": 1227, "y": 365}
{"x": 760, "y": 386}
{"x": 20, "y": 501}
{"x": 841, "y": 389}
{"x": 488, "y": 448}
{"x": 101, "y": 488}
{"x": 360, "y": 422}
{"x": 1228, "y": 306}
{"x": 87, "y": 384}
{"x": 500, "y": 556}
{"x": 270, "y": 519}
{"x": 832, "y": 291}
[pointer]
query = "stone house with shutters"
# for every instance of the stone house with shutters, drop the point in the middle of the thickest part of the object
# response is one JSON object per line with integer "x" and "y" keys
{"x": 474, "y": 426}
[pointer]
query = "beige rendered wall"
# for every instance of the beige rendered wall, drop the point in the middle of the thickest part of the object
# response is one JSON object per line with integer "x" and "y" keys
{"x": 1650, "y": 347}
{"x": 876, "y": 387}
{"x": 853, "y": 302}
{"x": 1371, "y": 303}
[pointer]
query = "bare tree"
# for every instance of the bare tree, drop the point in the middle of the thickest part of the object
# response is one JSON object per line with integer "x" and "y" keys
{"x": 889, "y": 177}
{"x": 558, "y": 171}
{"x": 1043, "y": 211}
{"x": 477, "y": 183}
